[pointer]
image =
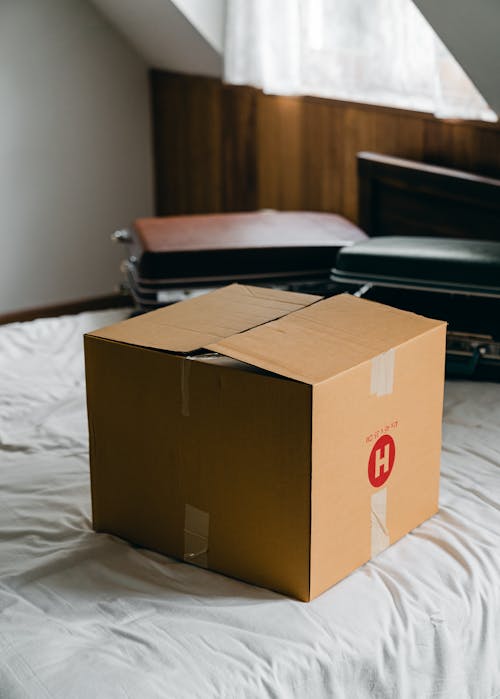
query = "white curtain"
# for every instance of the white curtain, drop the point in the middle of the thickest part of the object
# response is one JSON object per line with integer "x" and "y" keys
{"x": 377, "y": 51}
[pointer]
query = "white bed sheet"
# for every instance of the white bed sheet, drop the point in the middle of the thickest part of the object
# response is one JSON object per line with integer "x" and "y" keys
{"x": 86, "y": 616}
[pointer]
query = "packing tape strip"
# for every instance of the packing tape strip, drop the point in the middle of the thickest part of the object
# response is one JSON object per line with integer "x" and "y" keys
{"x": 196, "y": 528}
{"x": 382, "y": 384}
{"x": 185, "y": 372}
{"x": 382, "y": 373}
{"x": 379, "y": 534}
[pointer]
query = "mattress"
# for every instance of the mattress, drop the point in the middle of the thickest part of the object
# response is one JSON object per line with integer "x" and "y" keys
{"x": 88, "y": 615}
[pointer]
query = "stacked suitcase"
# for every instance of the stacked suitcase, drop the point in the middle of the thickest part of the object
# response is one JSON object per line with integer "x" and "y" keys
{"x": 177, "y": 257}
{"x": 174, "y": 258}
{"x": 449, "y": 279}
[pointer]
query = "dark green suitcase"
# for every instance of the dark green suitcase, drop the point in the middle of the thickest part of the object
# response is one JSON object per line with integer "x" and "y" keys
{"x": 450, "y": 279}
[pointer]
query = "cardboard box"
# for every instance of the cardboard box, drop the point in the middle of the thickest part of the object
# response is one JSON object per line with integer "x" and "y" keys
{"x": 271, "y": 436}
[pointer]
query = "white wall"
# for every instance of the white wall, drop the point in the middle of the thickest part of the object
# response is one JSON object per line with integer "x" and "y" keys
{"x": 209, "y": 17}
{"x": 471, "y": 31}
{"x": 75, "y": 150}
{"x": 168, "y": 36}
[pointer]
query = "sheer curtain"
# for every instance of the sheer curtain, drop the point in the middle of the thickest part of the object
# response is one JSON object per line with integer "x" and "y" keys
{"x": 377, "y": 51}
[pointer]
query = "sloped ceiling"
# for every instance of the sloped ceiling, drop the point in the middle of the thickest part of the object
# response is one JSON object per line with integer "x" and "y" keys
{"x": 470, "y": 29}
{"x": 185, "y": 36}
{"x": 209, "y": 17}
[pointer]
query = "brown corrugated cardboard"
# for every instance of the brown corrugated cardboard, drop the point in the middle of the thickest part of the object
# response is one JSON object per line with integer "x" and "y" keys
{"x": 196, "y": 323}
{"x": 334, "y": 335}
{"x": 300, "y": 438}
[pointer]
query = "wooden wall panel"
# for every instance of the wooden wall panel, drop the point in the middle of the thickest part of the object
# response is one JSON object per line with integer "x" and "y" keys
{"x": 239, "y": 155}
{"x": 279, "y": 153}
{"x": 188, "y": 145}
{"x": 322, "y": 151}
{"x": 225, "y": 148}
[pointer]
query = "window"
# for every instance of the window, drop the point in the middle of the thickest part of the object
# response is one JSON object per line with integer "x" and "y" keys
{"x": 376, "y": 51}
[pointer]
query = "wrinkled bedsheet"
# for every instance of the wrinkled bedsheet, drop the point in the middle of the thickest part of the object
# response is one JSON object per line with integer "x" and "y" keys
{"x": 87, "y": 616}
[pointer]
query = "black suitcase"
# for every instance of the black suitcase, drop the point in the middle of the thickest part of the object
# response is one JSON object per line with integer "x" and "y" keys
{"x": 449, "y": 279}
{"x": 177, "y": 257}
{"x": 151, "y": 294}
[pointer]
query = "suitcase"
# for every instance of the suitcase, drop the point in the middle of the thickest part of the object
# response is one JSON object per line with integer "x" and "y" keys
{"x": 176, "y": 257}
{"x": 150, "y": 294}
{"x": 449, "y": 279}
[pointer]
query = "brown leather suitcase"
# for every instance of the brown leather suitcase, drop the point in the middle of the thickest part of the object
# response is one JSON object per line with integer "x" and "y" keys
{"x": 175, "y": 256}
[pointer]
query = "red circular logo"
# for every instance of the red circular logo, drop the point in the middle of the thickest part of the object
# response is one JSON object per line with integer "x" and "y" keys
{"x": 381, "y": 460}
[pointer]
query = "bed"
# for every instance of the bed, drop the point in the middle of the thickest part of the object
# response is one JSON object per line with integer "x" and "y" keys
{"x": 88, "y": 615}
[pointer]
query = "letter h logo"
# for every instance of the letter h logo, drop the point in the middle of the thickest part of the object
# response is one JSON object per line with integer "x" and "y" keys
{"x": 381, "y": 460}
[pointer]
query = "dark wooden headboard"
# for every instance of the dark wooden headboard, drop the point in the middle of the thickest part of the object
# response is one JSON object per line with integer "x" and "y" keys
{"x": 403, "y": 197}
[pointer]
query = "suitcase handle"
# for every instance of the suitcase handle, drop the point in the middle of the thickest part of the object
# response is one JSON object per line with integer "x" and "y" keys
{"x": 465, "y": 368}
{"x": 121, "y": 236}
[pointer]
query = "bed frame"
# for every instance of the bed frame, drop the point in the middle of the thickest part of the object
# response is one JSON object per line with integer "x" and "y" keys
{"x": 404, "y": 197}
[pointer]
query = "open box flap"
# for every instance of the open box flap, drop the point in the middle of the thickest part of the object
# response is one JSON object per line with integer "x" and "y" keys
{"x": 324, "y": 339}
{"x": 193, "y": 324}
